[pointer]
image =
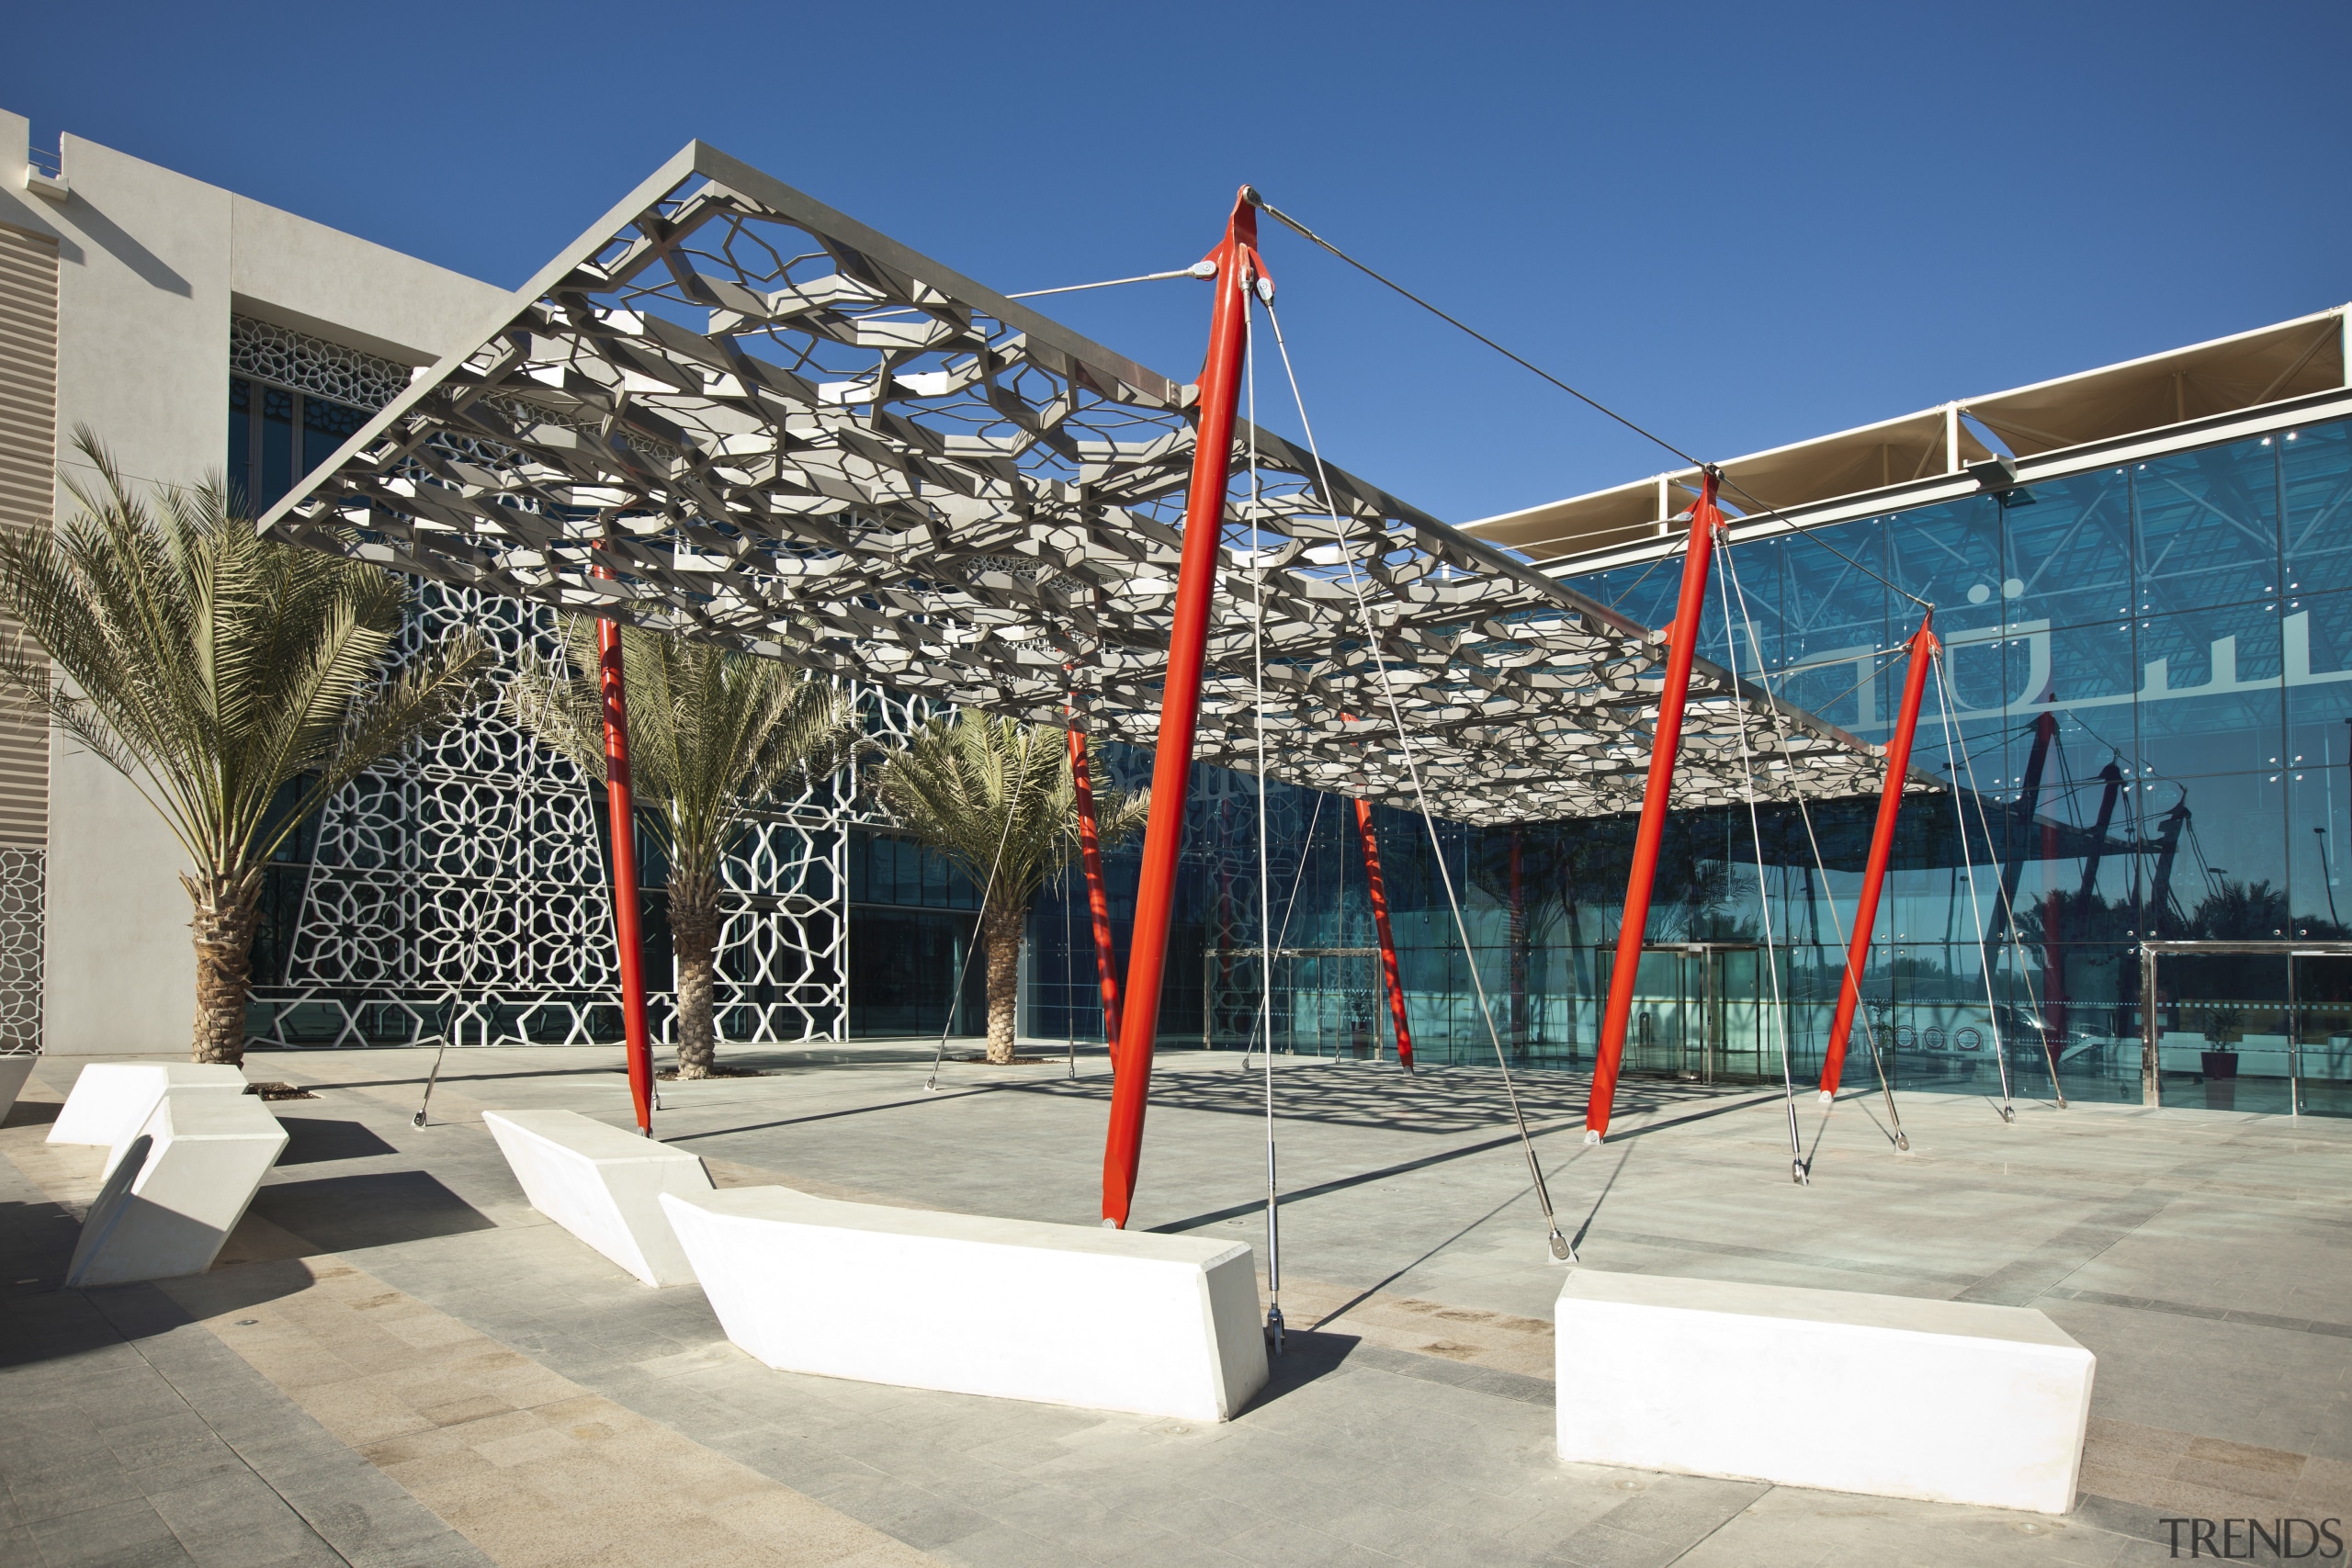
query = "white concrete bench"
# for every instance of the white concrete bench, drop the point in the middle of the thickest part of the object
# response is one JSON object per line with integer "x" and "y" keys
{"x": 14, "y": 1070}
{"x": 176, "y": 1188}
{"x": 1952, "y": 1401}
{"x": 111, "y": 1101}
{"x": 603, "y": 1185}
{"x": 1061, "y": 1315}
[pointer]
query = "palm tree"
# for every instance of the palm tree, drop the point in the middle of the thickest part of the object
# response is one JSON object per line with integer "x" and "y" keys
{"x": 994, "y": 797}
{"x": 711, "y": 732}
{"x": 237, "y": 682}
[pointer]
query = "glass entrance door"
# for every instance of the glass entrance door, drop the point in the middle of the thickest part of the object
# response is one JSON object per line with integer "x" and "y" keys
{"x": 1698, "y": 1013}
{"x": 2249, "y": 1026}
{"x": 2322, "y": 1061}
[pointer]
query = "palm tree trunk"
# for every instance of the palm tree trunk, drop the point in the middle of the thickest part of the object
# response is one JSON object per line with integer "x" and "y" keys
{"x": 227, "y": 911}
{"x": 1001, "y": 928}
{"x": 694, "y": 936}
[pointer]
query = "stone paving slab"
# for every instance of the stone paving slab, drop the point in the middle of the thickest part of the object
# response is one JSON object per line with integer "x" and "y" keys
{"x": 2200, "y": 1254}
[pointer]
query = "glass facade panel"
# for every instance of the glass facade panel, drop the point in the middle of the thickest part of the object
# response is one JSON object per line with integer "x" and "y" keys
{"x": 276, "y": 436}
{"x": 2210, "y": 696}
{"x": 2317, "y": 804}
{"x": 2207, "y": 524}
{"x": 2068, "y": 545}
{"x": 2178, "y": 707}
{"x": 241, "y": 443}
{"x": 325, "y": 427}
{"x": 1951, "y": 557}
{"x": 1755, "y": 631}
{"x": 1834, "y": 610}
{"x": 274, "y": 469}
{"x": 1645, "y": 592}
{"x": 2315, "y": 477}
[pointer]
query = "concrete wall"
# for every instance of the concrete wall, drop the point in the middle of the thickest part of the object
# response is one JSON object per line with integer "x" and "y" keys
{"x": 152, "y": 264}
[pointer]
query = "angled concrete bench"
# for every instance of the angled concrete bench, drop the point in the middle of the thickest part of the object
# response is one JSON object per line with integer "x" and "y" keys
{"x": 14, "y": 1068}
{"x": 1061, "y": 1315}
{"x": 178, "y": 1186}
{"x": 1949, "y": 1401}
{"x": 111, "y": 1101}
{"x": 603, "y": 1185}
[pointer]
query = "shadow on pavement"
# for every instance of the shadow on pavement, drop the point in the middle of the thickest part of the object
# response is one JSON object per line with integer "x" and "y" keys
{"x": 313, "y": 1140}
{"x": 343, "y": 1214}
{"x": 1306, "y": 1356}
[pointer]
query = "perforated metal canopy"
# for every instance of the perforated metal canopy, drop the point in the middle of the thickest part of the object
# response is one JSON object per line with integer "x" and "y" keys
{"x": 783, "y": 431}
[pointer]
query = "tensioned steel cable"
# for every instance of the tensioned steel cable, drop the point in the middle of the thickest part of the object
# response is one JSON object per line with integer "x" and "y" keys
{"x": 1804, "y": 813}
{"x": 1799, "y": 1172}
{"x": 2016, "y": 952}
{"x": 1290, "y": 907}
{"x": 1265, "y": 861}
{"x": 1761, "y": 511}
{"x": 1944, "y": 699}
{"x": 1198, "y": 269}
{"x": 1561, "y": 1250}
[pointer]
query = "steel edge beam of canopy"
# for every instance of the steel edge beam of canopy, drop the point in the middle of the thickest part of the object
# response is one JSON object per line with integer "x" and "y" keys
{"x": 793, "y": 434}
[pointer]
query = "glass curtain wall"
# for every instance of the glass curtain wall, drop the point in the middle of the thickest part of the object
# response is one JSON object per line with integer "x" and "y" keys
{"x": 2149, "y": 721}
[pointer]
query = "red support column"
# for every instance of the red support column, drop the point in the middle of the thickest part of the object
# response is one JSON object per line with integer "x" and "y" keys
{"x": 622, "y": 806}
{"x": 1236, "y": 256}
{"x": 1890, "y": 803}
{"x": 1388, "y": 939}
{"x": 1665, "y": 741}
{"x": 1098, "y": 902}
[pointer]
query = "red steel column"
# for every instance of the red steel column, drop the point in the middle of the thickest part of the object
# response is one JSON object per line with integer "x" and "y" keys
{"x": 619, "y": 797}
{"x": 1387, "y": 940}
{"x": 1236, "y": 256}
{"x": 1890, "y": 803}
{"x": 1665, "y": 742}
{"x": 1098, "y": 902}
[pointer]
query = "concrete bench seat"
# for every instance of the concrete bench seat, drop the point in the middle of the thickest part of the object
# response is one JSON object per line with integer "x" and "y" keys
{"x": 14, "y": 1068}
{"x": 177, "y": 1186}
{"x": 1060, "y": 1315}
{"x": 602, "y": 1184}
{"x": 1952, "y": 1401}
{"x": 110, "y": 1101}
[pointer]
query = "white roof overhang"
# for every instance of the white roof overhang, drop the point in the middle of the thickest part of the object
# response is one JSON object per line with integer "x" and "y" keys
{"x": 2180, "y": 388}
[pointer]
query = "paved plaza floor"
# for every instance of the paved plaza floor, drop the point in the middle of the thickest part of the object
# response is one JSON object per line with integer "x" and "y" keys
{"x": 397, "y": 1362}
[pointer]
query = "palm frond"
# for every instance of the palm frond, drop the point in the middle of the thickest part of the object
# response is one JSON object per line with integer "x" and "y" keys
{"x": 209, "y": 666}
{"x": 712, "y": 733}
{"x": 995, "y": 797}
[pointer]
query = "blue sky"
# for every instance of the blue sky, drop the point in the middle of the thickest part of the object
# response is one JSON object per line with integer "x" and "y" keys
{"x": 1741, "y": 224}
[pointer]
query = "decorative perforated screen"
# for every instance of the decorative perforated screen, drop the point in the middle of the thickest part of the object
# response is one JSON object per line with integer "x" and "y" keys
{"x": 791, "y": 434}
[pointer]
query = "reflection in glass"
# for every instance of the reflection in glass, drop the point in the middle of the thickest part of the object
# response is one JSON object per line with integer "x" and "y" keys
{"x": 2069, "y": 549}
{"x": 2315, "y": 469}
{"x": 2209, "y": 527}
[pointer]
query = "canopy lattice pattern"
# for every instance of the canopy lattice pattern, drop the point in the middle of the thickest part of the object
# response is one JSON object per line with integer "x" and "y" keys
{"x": 782, "y": 430}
